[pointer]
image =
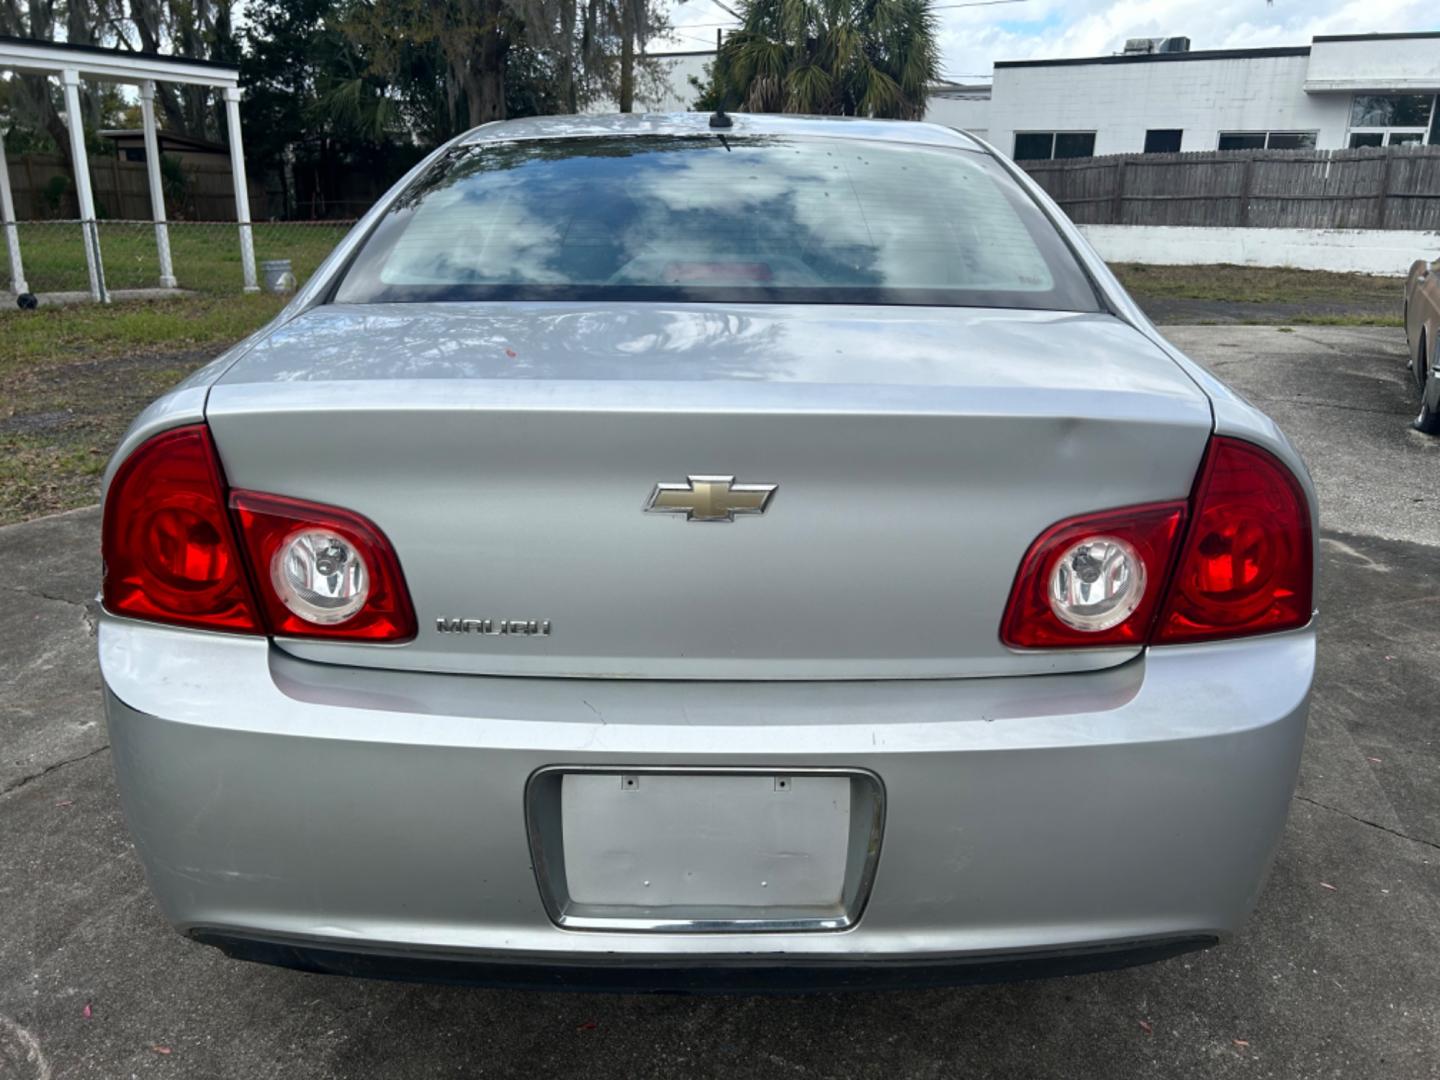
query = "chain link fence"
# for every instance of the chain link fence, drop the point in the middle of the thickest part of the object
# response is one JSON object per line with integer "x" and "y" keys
{"x": 53, "y": 253}
{"x": 205, "y": 255}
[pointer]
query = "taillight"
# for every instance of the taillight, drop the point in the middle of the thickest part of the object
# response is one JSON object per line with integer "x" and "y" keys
{"x": 1235, "y": 560}
{"x": 1093, "y": 580}
{"x": 167, "y": 543}
{"x": 322, "y": 571}
{"x": 173, "y": 553}
{"x": 1247, "y": 566}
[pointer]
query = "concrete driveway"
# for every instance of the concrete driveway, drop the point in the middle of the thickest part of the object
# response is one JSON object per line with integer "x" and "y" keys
{"x": 1338, "y": 975}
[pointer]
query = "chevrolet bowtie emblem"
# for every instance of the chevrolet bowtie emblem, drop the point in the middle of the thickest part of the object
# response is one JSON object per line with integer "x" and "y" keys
{"x": 710, "y": 498}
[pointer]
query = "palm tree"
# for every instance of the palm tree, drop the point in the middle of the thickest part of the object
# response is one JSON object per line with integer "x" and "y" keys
{"x": 839, "y": 57}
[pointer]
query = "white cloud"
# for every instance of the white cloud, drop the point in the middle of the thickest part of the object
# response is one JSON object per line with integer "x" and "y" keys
{"x": 972, "y": 39}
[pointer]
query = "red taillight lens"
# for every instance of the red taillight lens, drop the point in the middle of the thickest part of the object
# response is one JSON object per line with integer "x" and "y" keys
{"x": 1247, "y": 566}
{"x": 1036, "y": 617}
{"x": 1244, "y": 566}
{"x": 172, "y": 553}
{"x": 322, "y": 571}
{"x": 169, "y": 550}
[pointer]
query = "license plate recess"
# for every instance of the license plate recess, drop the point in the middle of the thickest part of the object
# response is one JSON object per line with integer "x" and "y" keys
{"x": 697, "y": 850}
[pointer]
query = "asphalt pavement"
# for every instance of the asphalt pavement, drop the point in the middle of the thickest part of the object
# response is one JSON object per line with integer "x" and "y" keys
{"x": 1337, "y": 975}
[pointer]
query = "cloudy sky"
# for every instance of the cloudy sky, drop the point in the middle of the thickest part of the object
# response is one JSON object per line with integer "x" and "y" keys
{"x": 972, "y": 38}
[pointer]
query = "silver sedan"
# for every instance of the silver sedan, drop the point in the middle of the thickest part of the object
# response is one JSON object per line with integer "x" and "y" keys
{"x": 708, "y": 553}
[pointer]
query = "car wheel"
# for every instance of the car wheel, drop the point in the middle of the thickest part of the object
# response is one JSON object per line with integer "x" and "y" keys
{"x": 1429, "y": 419}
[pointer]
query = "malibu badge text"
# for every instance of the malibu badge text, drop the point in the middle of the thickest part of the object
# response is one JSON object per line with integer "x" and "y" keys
{"x": 495, "y": 627}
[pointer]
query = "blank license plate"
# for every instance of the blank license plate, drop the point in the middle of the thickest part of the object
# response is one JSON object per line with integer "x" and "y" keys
{"x": 658, "y": 840}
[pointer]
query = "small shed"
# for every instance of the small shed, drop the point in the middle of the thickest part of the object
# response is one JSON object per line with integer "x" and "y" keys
{"x": 130, "y": 145}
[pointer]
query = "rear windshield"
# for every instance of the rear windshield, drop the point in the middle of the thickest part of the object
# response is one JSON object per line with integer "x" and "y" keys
{"x": 711, "y": 218}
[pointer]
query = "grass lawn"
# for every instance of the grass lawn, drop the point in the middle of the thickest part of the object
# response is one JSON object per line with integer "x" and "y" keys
{"x": 1263, "y": 295}
{"x": 72, "y": 378}
{"x": 205, "y": 255}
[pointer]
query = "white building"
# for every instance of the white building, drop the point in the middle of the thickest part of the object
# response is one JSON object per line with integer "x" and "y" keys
{"x": 1350, "y": 90}
{"x": 959, "y": 105}
{"x": 674, "y": 92}
{"x": 1339, "y": 91}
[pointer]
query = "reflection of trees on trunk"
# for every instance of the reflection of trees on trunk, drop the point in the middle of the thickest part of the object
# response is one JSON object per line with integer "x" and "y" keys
{"x": 596, "y": 343}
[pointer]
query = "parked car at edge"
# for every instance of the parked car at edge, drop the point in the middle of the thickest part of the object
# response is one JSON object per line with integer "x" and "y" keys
{"x": 752, "y": 553}
{"x": 1422, "y": 334}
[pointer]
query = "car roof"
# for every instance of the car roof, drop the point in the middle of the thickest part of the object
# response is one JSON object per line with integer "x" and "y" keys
{"x": 698, "y": 123}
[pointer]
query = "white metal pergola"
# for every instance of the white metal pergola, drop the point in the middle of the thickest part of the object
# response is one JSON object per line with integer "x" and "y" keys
{"x": 71, "y": 63}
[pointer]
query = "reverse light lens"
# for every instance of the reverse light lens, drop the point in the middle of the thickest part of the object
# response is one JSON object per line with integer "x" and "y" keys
{"x": 1093, "y": 580}
{"x": 169, "y": 551}
{"x": 1097, "y": 583}
{"x": 320, "y": 577}
{"x": 324, "y": 572}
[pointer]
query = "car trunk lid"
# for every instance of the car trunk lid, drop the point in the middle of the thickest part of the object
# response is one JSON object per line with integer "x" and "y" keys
{"x": 510, "y": 451}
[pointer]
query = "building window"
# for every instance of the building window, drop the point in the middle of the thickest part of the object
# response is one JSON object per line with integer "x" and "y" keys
{"x": 133, "y": 153}
{"x": 1242, "y": 140}
{"x": 1030, "y": 146}
{"x": 1390, "y": 110}
{"x": 1163, "y": 140}
{"x": 1267, "y": 140}
{"x": 1393, "y": 119}
{"x": 1073, "y": 144}
{"x": 1291, "y": 140}
{"x": 1044, "y": 145}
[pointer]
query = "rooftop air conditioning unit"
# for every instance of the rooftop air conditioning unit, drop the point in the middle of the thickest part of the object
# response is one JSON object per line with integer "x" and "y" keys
{"x": 1145, "y": 45}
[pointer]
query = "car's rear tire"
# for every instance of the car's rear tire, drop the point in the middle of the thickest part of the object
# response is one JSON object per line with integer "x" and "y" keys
{"x": 1429, "y": 419}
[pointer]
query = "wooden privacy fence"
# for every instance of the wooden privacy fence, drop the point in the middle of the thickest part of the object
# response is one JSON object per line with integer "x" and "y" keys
{"x": 1373, "y": 188}
{"x": 206, "y": 190}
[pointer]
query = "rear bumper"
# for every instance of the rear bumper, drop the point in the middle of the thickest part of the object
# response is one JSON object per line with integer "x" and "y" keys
{"x": 310, "y": 815}
{"x": 691, "y": 976}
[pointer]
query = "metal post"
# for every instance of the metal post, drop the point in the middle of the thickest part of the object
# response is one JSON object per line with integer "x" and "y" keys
{"x": 12, "y": 232}
{"x": 157, "y": 193}
{"x": 242, "y": 191}
{"x": 88, "y": 227}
